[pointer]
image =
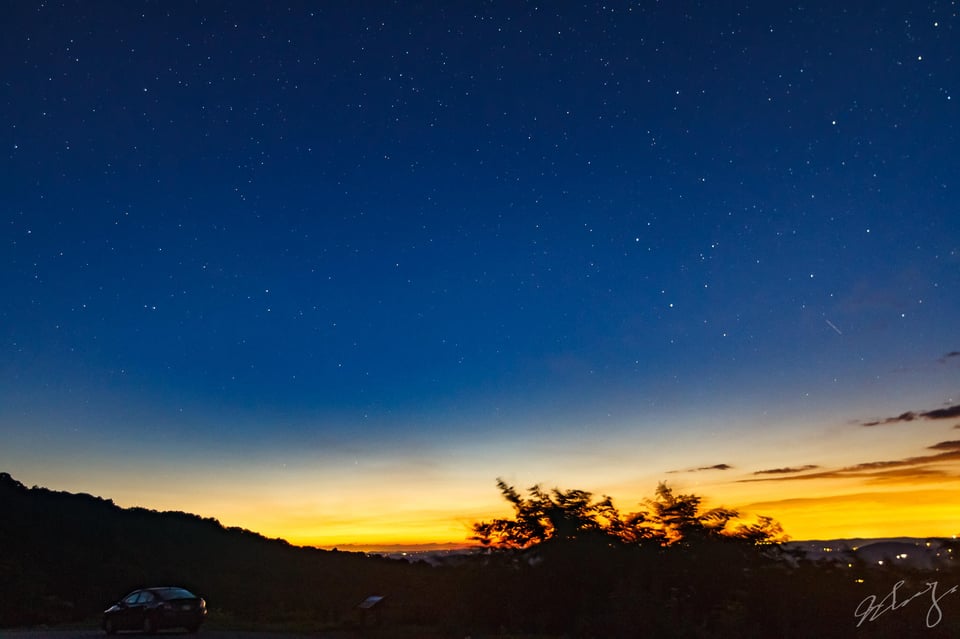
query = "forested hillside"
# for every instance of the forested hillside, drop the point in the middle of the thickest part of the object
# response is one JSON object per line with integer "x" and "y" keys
{"x": 64, "y": 557}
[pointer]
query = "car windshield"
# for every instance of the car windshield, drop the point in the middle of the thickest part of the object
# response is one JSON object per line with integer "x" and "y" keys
{"x": 173, "y": 593}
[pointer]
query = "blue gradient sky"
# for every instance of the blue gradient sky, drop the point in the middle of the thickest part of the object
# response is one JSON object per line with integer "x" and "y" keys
{"x": 327, "y": 272}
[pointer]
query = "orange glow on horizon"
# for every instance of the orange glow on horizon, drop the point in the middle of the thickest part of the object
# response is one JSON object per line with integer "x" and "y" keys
{"x": 920, "y": 512}
{"x": 867, "y": 483}
{"x": 913, "y": 512}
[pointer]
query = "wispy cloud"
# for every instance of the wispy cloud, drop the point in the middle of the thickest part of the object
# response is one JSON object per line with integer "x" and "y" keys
{"x": 937, "y": 413}
{"x": 696, "y": 470}
{"x": 786, "y": 471}
{"x": 909, "y": 476}
{"x": 943, "y": 413}
{"x": 717, "y": 467}
{"x": 909, "y": 416}
{"x": 950, "y": 445}
{"x": 943, "y": 360}
{"x": 915, "y": 469}
{"x": 909, "y": 469}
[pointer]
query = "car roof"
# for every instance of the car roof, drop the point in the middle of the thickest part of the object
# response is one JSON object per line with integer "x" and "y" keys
{"x": 158, "y": 588}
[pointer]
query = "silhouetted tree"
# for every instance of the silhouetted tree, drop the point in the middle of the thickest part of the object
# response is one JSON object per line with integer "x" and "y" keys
{"x": 558, "y": 515}
{"x": 680, "y": 519}
{"x": 566, "y": 515}
{"x": 674, "y": 566}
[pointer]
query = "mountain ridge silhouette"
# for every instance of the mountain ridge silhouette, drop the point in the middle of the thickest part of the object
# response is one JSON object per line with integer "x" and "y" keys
{"x": 65, "y": 556}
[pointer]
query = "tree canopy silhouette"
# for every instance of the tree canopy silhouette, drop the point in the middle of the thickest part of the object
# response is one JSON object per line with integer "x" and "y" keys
{"x": 667, "y": 519}
{"x": 544, "y": 516}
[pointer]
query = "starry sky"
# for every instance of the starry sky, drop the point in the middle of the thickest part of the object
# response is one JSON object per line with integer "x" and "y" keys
{"x": 326, "y": 271}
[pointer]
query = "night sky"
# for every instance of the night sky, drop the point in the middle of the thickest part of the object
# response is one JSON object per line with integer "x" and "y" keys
{"x": 326, "y": 272}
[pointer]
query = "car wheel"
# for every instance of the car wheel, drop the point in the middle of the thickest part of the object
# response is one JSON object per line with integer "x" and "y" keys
{"x": 108, "y": 627}
{"x": 149, "y": 625}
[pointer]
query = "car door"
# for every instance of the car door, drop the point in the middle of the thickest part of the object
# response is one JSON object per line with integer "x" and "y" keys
{"x": 131, "y": 612}
{"x": 147, "y": 606}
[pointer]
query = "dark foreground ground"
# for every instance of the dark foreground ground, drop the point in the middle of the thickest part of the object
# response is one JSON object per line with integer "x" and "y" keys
{"x": 203, "y": 634}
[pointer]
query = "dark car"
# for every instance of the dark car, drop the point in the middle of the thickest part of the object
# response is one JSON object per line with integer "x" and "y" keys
{"x": 152, "y": 609}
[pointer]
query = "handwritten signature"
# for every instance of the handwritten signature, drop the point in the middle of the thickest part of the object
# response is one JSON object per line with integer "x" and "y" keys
{"x": 870, "y": 609}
